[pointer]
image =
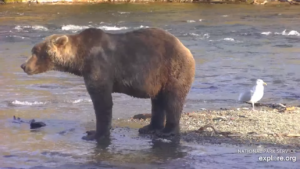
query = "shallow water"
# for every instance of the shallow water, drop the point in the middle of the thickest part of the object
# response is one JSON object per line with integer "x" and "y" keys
{"x": 232, "y": 45}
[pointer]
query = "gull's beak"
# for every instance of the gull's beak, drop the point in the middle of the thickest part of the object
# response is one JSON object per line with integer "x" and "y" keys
{"x": 265, "y": 83}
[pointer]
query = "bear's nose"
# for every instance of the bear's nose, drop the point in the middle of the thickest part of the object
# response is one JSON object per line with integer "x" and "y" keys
{"x": 23, "y": 66}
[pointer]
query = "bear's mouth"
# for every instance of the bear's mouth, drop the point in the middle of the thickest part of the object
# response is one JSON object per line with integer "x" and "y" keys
{"x": 28, "y": 72}
{"x": 33, "y": 72}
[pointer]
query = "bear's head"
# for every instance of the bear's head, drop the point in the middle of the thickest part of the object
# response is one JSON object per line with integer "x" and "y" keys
{"x": 53, "y": 53}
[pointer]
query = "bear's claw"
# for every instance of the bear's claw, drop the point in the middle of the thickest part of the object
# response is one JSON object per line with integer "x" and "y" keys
{"x": 164, "y": 134}
{"x": 148, "y": 129}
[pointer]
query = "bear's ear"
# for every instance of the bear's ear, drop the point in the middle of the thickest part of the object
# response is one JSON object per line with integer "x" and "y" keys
{"x": 61, "y": 40}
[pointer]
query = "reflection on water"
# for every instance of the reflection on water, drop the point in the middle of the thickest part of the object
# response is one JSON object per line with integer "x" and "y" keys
{"x": 232, "y": 46}
{"x": 60, "y": 142}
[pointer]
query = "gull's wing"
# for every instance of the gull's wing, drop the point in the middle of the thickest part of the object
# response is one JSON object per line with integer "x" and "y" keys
{"x": 246, "y": 96}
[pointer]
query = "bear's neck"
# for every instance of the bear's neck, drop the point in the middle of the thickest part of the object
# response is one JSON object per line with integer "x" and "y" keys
{"x": 73, "y": 69}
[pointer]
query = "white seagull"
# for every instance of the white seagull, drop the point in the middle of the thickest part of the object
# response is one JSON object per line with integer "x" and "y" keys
{"x": 255, "y": 94}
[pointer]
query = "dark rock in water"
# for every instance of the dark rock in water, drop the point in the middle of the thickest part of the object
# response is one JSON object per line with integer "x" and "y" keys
{"x": 142, "y": 116}
{"x": 213, "y": 87}
{"x": 9, "y": 156}
{"x": 35, "y": 125}
{"x": 17, "y": 120}
{"x": 66, "y": 131}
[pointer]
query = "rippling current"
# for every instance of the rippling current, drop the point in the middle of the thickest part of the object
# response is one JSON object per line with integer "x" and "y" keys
{"x": 233, "y": 45}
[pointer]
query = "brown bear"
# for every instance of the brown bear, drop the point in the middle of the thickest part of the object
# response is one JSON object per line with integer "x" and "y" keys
{"x": 145, "y": 63}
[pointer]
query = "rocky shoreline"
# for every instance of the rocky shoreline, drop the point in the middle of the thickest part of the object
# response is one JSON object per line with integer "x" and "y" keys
{"x": 270, "y": 126}
{"x": 252, "y": 2}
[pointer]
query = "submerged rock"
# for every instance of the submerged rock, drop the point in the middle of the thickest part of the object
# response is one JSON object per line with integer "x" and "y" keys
{"x": 142, "y": 116}
{"x": 17, "y": 120}
{"x": 33, "y": 123}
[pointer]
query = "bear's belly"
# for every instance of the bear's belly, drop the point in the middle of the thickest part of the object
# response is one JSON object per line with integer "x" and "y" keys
{"x": 139, "y": 90}
{"x": 132, "y": 92}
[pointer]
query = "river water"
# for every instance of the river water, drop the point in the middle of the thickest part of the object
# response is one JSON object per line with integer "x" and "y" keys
{"x": 233, "y": 45}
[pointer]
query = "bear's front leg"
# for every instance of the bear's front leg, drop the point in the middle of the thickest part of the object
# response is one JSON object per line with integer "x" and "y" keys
{"x": 102, "y": 102}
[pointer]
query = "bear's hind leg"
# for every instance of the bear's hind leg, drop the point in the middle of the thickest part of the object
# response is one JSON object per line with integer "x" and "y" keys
{"x": 157, "y": 118}
{"x": 173, "y": 104}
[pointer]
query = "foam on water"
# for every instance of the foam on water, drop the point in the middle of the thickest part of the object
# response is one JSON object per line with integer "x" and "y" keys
{"x": 112, "y": 28}
{"x": 124, "y": 13}
{"x": 19, "y": 28}
{"x": 266, "y": 33}
{"x": 73, "y": 27}
{"x": 291, "y": 33}
{"x": 191, "y": 34}
{"x": 81, "y": 100}
{"x": 34, "y": 27}
{"x": 142, "y": 26}
{"x": 190, "y": 21}
{"x": 77, "y": 27}
{"x": 228, "y": 39}
{"x": 17, "y": 102}
{"x": 206, "y": 35}
{"x": 16, "y": 36}
{"x": 38, "y": 27}
{"x": 284, "y": 32}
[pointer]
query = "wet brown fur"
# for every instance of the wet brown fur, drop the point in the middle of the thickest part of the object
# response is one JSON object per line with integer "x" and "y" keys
{"x": 145, "y": 63}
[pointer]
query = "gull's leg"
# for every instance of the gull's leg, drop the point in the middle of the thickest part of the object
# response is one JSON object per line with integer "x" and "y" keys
{"x": 253, "y": 107}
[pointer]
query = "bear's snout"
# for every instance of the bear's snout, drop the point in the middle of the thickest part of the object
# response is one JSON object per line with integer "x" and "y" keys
{"x": 23, "y": 66}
